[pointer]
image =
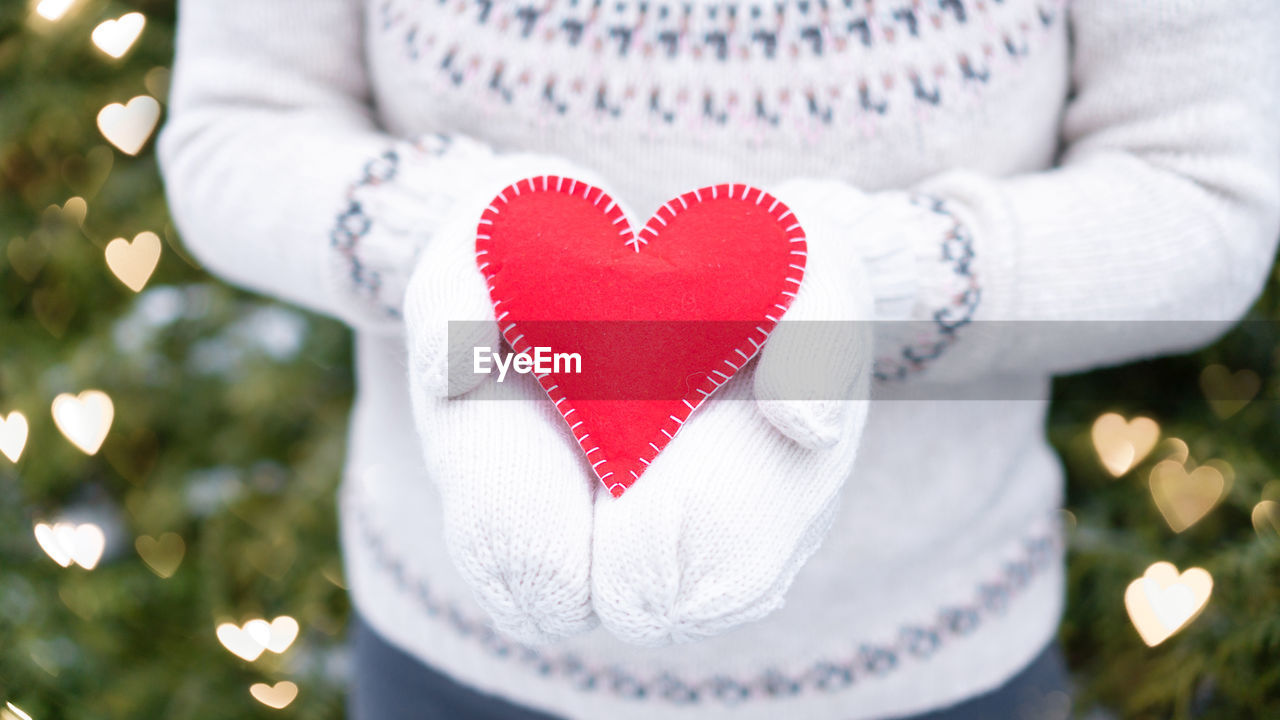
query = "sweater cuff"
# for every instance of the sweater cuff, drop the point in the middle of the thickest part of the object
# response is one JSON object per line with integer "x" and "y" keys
{"x": 927, "y": 289}
{"x": 391, "y": 212}
{"x": 979, "y": 255}
{"x": 919, "y": 256}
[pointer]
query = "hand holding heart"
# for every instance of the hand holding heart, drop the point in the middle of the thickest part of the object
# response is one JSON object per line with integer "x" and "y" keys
{"x": 715, "y": 531}
{"x": 721, "y": 514}
{"x": 516, "y": 501}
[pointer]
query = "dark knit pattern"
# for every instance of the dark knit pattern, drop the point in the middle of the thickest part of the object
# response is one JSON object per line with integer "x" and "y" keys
{"x": 353, "y": 224}
{"x": 956, "y": 251}
{"x": 713, "y": 37}
{"x": 864, "y": 661}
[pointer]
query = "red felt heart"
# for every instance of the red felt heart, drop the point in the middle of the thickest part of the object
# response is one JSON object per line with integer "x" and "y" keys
{"x": 660, "y": 319}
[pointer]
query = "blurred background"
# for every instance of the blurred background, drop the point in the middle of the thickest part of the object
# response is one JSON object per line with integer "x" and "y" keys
{"x": 170, "y": 447}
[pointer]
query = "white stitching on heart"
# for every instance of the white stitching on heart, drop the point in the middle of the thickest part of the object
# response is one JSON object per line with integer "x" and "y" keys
{"x": 779, "y": 211}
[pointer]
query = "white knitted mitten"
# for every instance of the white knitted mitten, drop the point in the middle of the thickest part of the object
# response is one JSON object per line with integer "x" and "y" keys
{"x": 516, "y": 493}
{"x": 713, "y": 533}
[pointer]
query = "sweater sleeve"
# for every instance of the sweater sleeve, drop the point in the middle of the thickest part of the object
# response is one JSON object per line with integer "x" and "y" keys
{"x": 278, "y": 177}
{"x": 1155, "y": 232}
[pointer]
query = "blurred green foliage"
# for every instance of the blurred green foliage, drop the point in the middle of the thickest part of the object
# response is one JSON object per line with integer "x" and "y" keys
{"x": 229, "y": 426}
{"x": 229, "y": 432}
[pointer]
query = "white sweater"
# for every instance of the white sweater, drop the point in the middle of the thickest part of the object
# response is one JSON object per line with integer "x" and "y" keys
{"x": 1089, "y": 160}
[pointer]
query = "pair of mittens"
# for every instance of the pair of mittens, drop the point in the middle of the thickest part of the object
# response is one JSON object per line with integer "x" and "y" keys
{"x": 715, "y": 529}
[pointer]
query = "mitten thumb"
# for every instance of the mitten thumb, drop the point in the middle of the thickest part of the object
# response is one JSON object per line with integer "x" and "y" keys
{"x": 447, "y": 311}
{"x": 813, "y": 376}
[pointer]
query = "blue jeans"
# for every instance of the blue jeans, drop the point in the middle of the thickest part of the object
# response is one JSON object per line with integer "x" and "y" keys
{"x": 389, "y": 684}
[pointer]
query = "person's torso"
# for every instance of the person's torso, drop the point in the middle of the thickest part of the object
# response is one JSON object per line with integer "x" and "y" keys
{"x": 916, "y": 596}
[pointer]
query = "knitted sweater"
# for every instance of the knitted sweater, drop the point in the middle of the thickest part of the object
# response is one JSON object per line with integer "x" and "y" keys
{"x": 1089, "y": 160}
